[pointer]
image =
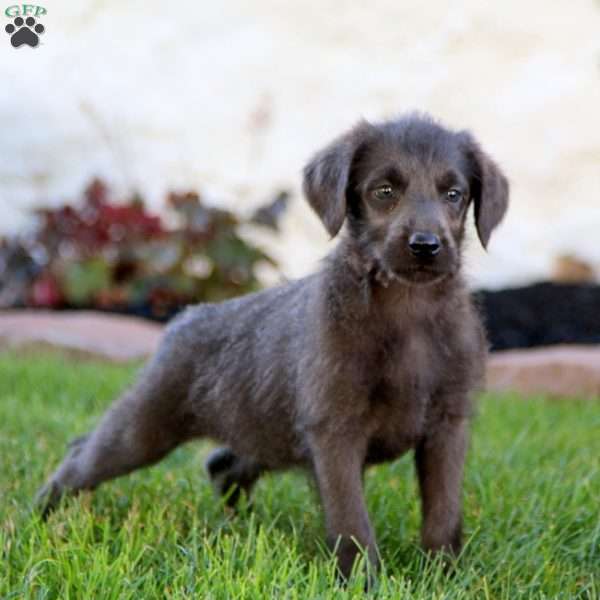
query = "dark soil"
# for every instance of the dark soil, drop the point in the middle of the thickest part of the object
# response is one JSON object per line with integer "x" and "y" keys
{"x": 541, "y": 314}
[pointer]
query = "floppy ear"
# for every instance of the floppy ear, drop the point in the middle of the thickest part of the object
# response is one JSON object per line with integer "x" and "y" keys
{"x": 327, "y": 176}
{"x": 489, "y": 189}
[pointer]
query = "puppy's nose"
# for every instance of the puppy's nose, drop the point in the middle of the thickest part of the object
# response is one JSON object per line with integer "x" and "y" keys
{"x": 424, "y": 244}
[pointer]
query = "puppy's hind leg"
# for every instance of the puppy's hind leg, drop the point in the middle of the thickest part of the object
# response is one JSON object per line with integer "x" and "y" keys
{"x": 138, "y": 430}
{"x": 231, "y": 474}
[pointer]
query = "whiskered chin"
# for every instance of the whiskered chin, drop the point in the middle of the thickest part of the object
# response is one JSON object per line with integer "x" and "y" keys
{"x": 425, "y": 274}
{"x": 422, "y": 276}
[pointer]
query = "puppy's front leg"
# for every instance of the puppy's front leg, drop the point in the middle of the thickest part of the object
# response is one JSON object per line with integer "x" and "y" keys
{"x": 440, "y": 459}
{"x": 338, "y": 464}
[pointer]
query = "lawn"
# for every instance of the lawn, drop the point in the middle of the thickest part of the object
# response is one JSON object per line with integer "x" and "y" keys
{"x": 532, "y": 509}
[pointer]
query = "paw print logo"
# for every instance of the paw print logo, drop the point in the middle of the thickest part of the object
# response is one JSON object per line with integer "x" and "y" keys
{"x": 24, "y": 32}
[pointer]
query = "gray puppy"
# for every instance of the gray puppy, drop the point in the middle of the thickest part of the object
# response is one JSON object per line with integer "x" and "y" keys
{"x": 376, "y": 354}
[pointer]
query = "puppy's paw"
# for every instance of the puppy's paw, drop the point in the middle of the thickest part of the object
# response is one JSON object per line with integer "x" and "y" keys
{"x": 220, "y": 461}
{"x": 47, "y": 498}
{"x": 231, "y": 474}
{"x": 221, "y": 468}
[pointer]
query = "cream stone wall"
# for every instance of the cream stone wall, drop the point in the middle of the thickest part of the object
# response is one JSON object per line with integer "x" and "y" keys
{"x": 232, "y": 98}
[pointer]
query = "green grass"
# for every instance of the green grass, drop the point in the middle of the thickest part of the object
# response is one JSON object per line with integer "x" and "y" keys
{"x": 532, "y": 509}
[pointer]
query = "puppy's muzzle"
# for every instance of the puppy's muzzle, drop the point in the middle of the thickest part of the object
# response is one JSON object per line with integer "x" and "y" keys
{"x": 424, "y": 244}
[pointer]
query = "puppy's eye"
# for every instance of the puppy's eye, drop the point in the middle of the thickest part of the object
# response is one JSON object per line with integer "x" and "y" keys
{"x": 453, "y": 195}
{"x": 384, "y": 192}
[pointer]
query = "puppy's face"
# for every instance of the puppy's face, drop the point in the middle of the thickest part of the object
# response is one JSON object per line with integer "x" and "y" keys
{"x": 407, "y": 205}
{"x": 405, "y": 187}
